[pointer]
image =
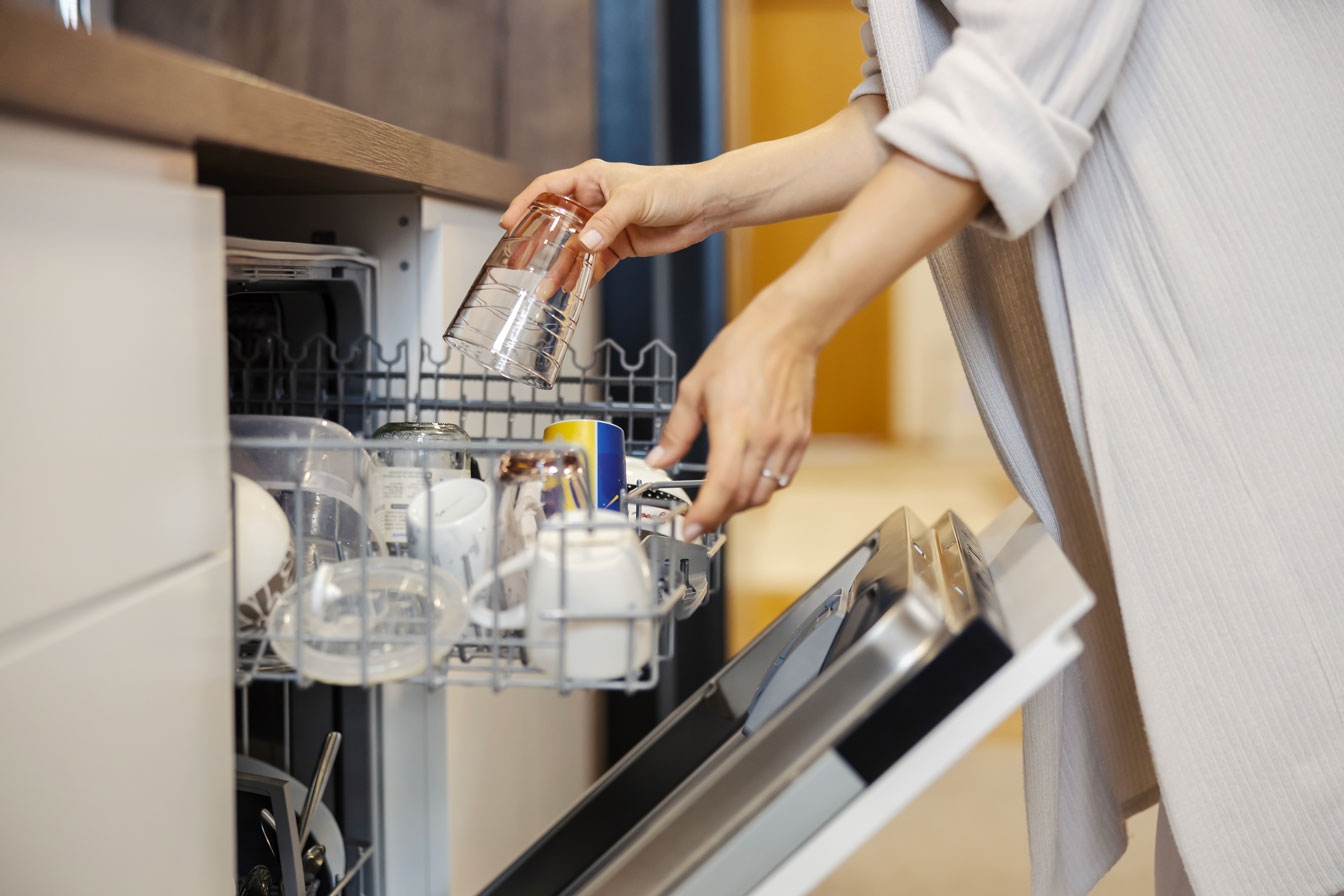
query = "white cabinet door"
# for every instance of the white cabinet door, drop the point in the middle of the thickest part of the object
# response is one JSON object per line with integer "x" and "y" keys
{"x": 116, "y": 744}
{"x": 113, "y": 446}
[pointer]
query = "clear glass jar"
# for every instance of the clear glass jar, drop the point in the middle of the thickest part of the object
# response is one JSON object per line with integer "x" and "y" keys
{"x": 417, "y": 456}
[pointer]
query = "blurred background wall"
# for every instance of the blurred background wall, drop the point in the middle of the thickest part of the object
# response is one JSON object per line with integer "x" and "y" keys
{"x": 512, "y": 78}
{"x": 893, "y": 411}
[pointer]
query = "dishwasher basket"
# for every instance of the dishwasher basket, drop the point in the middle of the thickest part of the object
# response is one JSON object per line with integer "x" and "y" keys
{"x": 418, "y": 625}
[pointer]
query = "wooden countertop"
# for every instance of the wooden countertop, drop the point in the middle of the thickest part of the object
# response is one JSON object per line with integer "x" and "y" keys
{"x": 249, "y": 134}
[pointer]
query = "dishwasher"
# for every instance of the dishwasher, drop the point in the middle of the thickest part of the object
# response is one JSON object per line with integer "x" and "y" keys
{"x": 347, "y": 750}
{"x": 866, "y": 689}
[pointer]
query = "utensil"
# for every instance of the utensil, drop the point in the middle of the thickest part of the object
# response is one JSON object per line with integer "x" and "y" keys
{"x": 369, "y": 621}
{"x": 520, "y": 313}
{"x": 321, "y": 775}
{"x": 256, "y": 883}
{"x": 325, "y": 830}
{"x": 354, "y": 870}
{"x": 268, "y": 821}
{"x": 314, "y": 858}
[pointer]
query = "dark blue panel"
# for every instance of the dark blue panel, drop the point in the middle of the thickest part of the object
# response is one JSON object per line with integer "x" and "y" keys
{"x": 660, "y": 102}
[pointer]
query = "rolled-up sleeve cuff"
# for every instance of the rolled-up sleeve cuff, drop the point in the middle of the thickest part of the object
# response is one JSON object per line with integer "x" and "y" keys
{"x": 872, "y": 69}
{"x": 870, "y": 84}
{"x": 975, "y": 119}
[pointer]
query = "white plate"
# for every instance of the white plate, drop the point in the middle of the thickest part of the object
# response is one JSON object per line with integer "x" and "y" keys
{"x": 325, "y": 830}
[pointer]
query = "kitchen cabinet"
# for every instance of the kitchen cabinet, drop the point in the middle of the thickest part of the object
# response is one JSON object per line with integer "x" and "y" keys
{"x": 115, "y": 670}
{"x": 115, "y": 452}
{"x": 117, "y": 771}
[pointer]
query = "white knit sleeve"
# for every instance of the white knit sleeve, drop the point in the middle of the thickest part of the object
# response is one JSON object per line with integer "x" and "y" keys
{"x": 872, "y": 69}
{"x": 1011, "y": 101}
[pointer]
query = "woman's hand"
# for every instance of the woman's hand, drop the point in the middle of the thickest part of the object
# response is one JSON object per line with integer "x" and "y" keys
{"x": 754, "y": 387}
{"x": 638, "y": 210}
{"x": 754, "y": 384}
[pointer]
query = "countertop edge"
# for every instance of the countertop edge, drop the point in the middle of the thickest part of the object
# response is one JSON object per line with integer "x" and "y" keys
{"x": 135, "y": 87}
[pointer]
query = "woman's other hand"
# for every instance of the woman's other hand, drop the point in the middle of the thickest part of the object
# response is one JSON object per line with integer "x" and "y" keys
{"x": 754, "y": 387}
{"x": 638, "y": 210}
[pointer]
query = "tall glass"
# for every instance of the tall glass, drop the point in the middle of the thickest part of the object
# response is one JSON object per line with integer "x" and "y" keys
{"x": 521, "y": 312}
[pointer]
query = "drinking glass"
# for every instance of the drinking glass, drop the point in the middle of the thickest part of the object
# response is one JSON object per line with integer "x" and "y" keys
{"x": 521, "y": 311}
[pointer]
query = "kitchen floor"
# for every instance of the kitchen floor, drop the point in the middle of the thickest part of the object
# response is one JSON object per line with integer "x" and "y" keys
{"x": 966, "y": 834}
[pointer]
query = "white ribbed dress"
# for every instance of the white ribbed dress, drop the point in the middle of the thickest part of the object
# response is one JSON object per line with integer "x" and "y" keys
{"x": 1160, "y": 286}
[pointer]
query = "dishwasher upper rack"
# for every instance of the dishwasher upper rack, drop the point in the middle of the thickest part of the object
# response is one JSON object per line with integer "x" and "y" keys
{"x": 486, "y": 653}
{"x": 362, "y": 385}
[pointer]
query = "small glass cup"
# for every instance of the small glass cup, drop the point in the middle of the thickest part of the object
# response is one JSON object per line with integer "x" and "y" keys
{"x": 562, "y": 475}
{"x": 520, "y": 314}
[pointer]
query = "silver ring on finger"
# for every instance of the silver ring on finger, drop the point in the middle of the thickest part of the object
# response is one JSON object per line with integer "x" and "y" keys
{"x": 781, "y": 481}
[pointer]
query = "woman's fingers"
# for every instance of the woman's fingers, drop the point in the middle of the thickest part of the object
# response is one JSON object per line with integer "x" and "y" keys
{"x": 723, "y": 473}
{"x": 789, "y": 469}
{"x": 769, "y": 479}
{"x": 760, "y": 445}
{"x": 563, "y": 183}
{"x": 624, "y": 207}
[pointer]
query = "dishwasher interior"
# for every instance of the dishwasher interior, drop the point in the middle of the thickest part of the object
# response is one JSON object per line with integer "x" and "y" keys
{"x": 310, "y": 384}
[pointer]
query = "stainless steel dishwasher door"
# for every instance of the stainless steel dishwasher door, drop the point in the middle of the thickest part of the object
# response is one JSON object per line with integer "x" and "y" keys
{"x": 793, "y": 756}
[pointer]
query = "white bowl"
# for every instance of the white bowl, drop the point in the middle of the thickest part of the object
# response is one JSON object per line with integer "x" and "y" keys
{"x": 263, "y": 553}
{"x": 369, "y": 620}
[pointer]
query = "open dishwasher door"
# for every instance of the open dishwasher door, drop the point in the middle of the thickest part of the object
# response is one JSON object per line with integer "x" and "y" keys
{"x": 848, "y": 706}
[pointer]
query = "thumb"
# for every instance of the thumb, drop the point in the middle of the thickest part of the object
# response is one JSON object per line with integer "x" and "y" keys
{"x": 680, "y": 430}
{"x": 622, "y": 209}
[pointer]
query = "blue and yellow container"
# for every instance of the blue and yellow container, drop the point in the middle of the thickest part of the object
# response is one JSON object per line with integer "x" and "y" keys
{"x": 604, "y": 444}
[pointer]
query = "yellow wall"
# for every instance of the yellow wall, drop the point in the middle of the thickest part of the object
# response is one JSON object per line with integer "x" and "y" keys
{"x": 791, "y": 65}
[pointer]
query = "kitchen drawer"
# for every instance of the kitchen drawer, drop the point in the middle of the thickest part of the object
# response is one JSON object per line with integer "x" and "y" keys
{"x": 114, "y": 446}
{"x": 117, "y": 773}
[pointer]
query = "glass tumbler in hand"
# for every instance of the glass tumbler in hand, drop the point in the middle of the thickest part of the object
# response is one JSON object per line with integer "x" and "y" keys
{"x": 521, "y": 312}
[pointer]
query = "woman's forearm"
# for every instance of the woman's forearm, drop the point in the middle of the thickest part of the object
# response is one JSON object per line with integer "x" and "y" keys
{"x": 810, "y": 173}
{"x": 903, "y": 213}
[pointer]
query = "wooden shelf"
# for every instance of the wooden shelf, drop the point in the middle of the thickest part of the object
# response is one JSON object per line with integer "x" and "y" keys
{"x": 251, "y": 136}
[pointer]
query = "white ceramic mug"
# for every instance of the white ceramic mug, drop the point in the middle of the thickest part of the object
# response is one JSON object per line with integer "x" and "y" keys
{"x": 593, "y": 563}
{"x": 458, "y": 538}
